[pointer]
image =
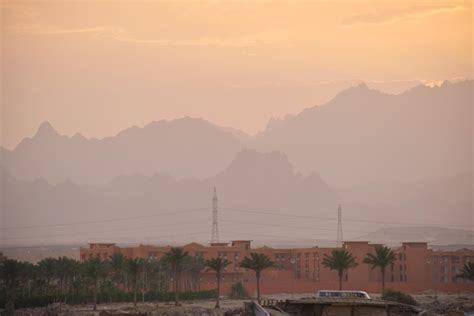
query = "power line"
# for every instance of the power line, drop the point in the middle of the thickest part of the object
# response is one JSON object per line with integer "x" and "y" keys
{"x": 313, "y": 228}
{"x": 339, "y": 227}
{"x": 99, "y": 231}
{"x": 265, "y": 212}
{"x": 104, "y": 220}
{"x": 140, "y": 228}
{"x": 278, "y": 236}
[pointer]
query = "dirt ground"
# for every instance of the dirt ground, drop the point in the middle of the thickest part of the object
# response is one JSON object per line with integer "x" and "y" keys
{"x": 436, "y": 304}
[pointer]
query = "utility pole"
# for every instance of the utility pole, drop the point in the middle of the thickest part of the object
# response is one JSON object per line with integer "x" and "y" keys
{"x": 215, "y": 228}
{"x": 339, "y": 227}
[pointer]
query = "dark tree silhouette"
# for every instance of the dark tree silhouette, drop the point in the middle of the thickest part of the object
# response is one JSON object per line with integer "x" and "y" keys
{"x": 467, "y": 272}
{"x": 340, "y": 260}
{"x": 382, "y": 258}
{"x": 257, "y": 262}
{"x": 94, "y": 269}
{"x": 10, "y": 273}
{"x": 135, "y": 267}
{"x": 176, "y": 258}
{"x": 217, "y": 264}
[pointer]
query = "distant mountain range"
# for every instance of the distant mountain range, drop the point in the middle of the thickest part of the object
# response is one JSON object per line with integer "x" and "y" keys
{"x": 251, "y": 183}
{"x": 361, "y": 136}
{"x": 364, "y": 136}
{"x": 397, "y": 160}
{"x": 183, "y": 148}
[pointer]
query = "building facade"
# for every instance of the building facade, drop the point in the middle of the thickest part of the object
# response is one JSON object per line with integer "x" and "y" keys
{"x": 299, "y": 270}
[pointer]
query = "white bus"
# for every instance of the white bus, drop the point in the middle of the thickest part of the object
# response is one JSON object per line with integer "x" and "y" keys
{"x": 343, "y": 294}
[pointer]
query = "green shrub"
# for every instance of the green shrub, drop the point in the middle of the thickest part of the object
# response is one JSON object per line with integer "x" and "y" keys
{"x": 238, "y": 291}
{"x": 103, "y": 297}
{"x": 398, "y": 296}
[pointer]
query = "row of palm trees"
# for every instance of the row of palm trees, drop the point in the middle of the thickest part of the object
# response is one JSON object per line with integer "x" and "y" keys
{"x": 342, "y": 260}
{"x": 64, "y": 276}
{"x": 67, "y": 275}
{"x": 255, "y": 261}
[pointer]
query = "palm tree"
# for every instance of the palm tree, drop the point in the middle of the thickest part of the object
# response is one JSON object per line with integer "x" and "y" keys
{"x": 217, "y": 264}
{"x": 194, "y": 265}
{"x": 65, "y": 269}
{"x": 135, "y": 266}
{"x": 257, "y": 262}
{"x": 28, "y": 272}
{"x": 176, "y": 257}
{"x": 118, "y": 266}
{"x": 49, "y": 270}
{"x": 383, "y": 257}
{"x": 467, "y": 272}
{"x": 10, "y": 273}
{"x": 340, "y": 260}
{"x": 94, "y": 269}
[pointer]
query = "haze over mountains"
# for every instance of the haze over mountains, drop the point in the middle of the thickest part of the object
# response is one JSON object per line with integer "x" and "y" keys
{"x": 422, "y": 133}
{"x": 252, "y": 181}
{"x": 158, "y": 147}
{"x": 364, "y": 136}
{"x": 395, "y": 159}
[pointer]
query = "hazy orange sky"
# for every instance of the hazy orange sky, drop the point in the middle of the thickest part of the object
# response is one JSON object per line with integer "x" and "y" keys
{"x": 101, "y": 66}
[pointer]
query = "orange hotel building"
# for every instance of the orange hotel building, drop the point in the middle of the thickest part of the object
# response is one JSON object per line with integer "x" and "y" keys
{"x": 417, "y": 268}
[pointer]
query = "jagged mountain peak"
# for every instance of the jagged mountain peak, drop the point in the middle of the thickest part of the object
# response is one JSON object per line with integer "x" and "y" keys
{"x": 362, "y": 90}
{"x": 46, "y": 129}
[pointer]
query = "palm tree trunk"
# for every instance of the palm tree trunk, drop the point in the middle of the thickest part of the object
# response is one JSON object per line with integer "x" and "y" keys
{"x": 176, "y": 284}
{"x": 144, "y": 287}
{"x": 383, "y": 278}
{"x": 10, "y": 304}
{"x": 258, "y": 287}
{"x": 340, "y": 280}
{"x": 218, "y": 276}
{"x": 126, "y": 282}
{"x": 135, "y": 286}
{"x": 95, "y": 293}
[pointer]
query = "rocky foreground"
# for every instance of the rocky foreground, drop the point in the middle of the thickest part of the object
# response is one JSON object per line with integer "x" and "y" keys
{"x": 434, "y": 304}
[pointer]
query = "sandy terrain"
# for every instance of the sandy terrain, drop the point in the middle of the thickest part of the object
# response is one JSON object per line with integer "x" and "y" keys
{"x": 439, "y": 304}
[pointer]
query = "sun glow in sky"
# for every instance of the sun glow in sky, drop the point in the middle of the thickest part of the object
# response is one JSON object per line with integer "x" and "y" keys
{"x": 101, "y": 66}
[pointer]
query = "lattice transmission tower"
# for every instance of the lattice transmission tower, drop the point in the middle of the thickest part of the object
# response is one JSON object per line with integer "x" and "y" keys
{"x": 215, "y": 226}
{"x": 339, "y": 227}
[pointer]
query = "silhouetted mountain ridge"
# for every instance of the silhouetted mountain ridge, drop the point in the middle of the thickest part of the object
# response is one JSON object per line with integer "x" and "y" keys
{"x": 163, "y": 146}
{"x": 363, "y": 135}
{"x": 252, "y": 181}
